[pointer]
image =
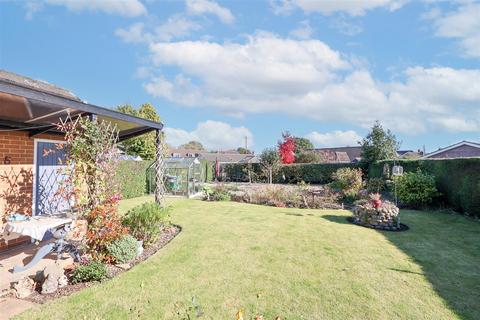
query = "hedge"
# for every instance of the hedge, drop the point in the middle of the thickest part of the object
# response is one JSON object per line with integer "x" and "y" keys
{"x": 314, "y": 173}
{"x": 132, "y": 178}
{"x": 238, "y": 172}
{"x": 457, "y": 179}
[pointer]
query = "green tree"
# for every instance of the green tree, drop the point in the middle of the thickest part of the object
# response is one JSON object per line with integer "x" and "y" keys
{"x": 128, "y": 109}
{"x": 270, "y": 160}
{"x": 144, "y": 145}
{"x": 192, "y": 145}
{"x": 302, "y": 145}
{"x": 242, "y": 150}
{"x": 309, "y": 157}
{"x": 379, "y": 144}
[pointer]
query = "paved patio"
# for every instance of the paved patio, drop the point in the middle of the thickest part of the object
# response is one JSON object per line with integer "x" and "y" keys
{"x": 11, "y": 306}
{"x": 22, "y": 255}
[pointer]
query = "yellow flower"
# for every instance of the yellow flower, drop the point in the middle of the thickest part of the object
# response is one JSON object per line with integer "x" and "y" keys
{"x": 240, "y": 315}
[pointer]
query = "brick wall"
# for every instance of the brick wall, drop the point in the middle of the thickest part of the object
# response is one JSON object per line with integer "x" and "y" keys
{"x": 16, "y": 176}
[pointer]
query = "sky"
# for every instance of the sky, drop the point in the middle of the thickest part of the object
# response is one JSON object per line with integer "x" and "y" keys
{"x": 220, "y": 71}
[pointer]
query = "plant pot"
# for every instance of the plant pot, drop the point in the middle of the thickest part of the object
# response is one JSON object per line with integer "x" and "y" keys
{"x": 376, "y": 203}
{"x": 139, "y": 247}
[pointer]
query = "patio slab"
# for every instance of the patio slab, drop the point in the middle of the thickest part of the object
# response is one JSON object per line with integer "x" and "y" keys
{"x": 22, "y": 255}
{"x": 10, "y": 307}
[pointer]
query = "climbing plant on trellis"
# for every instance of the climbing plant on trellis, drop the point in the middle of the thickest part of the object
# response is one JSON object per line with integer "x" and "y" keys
{"x": 91, "y": 161}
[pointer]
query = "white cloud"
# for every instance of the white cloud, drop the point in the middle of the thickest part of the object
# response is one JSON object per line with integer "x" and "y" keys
{"x": 132, "y": 34}
{"x": 126, "y": 8}
{"x": 353, "y": 8}
{"x": 334, "y": 139}
{"x": 462, "y": 24}
{"x": 269, "y": 74}
{"x": 212, "y": 134}
{"x": 176, "y": 26}
{"x": 201, "y": 7}
{"x": 304, "y": 30}
{"x": 31, "y": 8}
{"x": 346, "y": 26}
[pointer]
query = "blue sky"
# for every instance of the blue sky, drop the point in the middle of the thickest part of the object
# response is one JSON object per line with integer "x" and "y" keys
{"x": 220, "y": 71}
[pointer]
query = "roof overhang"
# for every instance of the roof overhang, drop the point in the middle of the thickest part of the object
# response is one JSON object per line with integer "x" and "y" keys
{"x": 37, "y": 111}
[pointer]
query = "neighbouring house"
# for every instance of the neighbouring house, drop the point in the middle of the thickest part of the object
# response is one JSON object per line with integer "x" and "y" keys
{"x": 340, "y": 154}
{"x": 463, "y": 149}
{"x": 29, "y": 112}
{"x": 220, "y": 157}
{"x": 409, "y": 154}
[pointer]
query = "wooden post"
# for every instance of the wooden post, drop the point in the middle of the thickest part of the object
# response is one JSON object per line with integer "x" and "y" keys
{"x": 159, "y": 171}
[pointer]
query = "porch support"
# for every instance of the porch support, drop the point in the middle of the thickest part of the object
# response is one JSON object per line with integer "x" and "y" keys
{"x": 159, "y": 170}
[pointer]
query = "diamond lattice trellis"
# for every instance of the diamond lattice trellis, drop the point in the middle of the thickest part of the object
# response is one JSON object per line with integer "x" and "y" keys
{"x": 159, "y": 170}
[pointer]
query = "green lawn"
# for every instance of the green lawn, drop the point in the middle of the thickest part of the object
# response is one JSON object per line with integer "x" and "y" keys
{"x": 304, "y": 264}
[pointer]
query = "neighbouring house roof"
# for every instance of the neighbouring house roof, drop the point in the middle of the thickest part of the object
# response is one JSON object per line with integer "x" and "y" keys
{"x": 181, "y": 152}
{"x": 36, "y": 106}
{"x": 402, "y": 152}
{"x": 222, "y": 157}
{"x": 179, "y": 163}
{"x": 464, "y": 143}
{"x": 409, "y": 154}
{"x": 341, "y": 154}
{"x": 250, "y": 159}
{"x": 226, "y": 157}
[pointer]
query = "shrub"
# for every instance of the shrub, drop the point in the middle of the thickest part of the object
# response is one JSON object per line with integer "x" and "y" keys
{"x": 348, "y": 180}
{"x": 276, "y": 196}
{"x": 375, "y": 185}
{"x": 221, "y": 196}
{"x": 218, "y": 193}
{"x": 458, "y": 180}
{"x": 104, "y": 227}
{"x": 123, "y": 249}
{"x": 416, "y": 189}
{"x": 146, "y": 221}
{"x": 94, "y": 271}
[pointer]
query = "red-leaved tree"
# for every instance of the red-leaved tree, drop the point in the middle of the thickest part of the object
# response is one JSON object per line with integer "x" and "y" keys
{"x": 286, "y": 148}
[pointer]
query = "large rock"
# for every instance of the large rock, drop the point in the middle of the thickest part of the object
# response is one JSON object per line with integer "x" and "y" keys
{"x": 54, "y": 278}
{"x": 24, "y": 287}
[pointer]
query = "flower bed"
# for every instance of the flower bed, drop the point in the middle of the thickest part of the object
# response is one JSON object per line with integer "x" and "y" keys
{"x": 112, "y": 270}
{"x": 377, "y": 215}
{"x": 283, "y": 196}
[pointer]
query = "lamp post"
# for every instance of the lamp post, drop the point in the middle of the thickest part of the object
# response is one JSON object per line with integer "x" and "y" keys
{"x": 397, "y": 171}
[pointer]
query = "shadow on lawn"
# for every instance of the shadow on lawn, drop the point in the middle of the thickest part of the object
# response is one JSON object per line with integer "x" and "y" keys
{"x": 447, "y": 248}
{"x": 337, "y": 219}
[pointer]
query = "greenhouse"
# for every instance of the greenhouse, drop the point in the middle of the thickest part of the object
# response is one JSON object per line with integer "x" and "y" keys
{"x": 183, "y": 176}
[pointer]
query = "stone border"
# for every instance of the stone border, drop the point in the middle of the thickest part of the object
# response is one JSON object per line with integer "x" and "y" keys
{"x": 403, "y": 227}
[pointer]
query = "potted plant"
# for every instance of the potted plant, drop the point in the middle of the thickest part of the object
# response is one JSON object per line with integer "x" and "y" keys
{"x": 375, "y": 200}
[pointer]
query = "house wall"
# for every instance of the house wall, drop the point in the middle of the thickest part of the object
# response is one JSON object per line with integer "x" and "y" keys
{"x": 16, "y": 177}
{"x": 463, "y": 151}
